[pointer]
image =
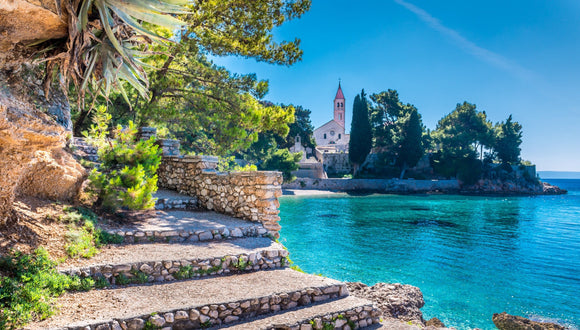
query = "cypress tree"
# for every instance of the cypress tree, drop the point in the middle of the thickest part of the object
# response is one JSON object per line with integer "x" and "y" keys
{"x": 360, "y": 132}
{"x": 410, "y": 141}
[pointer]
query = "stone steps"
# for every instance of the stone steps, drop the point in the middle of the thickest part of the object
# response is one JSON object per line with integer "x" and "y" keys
{"x": 160, "y": 262}
{"x": 347, "y": 313}
{"x": 170, "y": 200}
{"x": 186, "y": 226}
{"x": 193, "y": 303}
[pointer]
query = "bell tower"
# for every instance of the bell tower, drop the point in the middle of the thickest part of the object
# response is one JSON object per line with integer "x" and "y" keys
{"x": 339, "y": 106}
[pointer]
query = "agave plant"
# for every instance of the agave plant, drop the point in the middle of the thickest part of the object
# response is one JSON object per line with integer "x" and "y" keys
{"x": 106, "y": 43}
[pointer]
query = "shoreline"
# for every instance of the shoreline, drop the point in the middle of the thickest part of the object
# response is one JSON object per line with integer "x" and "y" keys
{"x": 317, "y": 187}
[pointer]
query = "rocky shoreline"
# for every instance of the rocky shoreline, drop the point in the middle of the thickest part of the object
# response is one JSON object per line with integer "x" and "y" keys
{"x": 312, "y": 187}
{"x": 397, "y": 302}
{"x": 401, "y": 304}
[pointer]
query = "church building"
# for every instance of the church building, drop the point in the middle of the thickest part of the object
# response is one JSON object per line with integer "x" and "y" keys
{"x": 332, "y": 134}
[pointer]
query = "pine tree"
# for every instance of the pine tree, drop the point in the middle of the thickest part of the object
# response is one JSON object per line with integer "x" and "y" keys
{"x": 360, "y": 132}
{"x": 508, "y": 141}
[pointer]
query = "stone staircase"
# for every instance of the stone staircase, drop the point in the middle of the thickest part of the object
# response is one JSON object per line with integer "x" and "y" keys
{"x": 187, "y": 269}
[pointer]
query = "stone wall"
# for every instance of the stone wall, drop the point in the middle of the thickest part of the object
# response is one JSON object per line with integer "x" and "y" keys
{"x": 155, "y": 271}
{"x": 336, "y": 163}
{"x": 379, "y": 185}
{"x": 247, "y": 195}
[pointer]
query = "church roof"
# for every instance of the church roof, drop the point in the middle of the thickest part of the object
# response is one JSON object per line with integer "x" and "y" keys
{"x": 339, "y": 94}
{"x": 330, "y": 123}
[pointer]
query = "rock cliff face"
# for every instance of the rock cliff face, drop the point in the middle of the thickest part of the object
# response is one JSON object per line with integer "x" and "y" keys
{"x": 23, "y": 21}
{"x": 505, "y": 321}
{"x": 32, "y": 131}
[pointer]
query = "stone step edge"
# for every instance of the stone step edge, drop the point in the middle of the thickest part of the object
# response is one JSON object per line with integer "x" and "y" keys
{"x": 181, "y": 235}
{"x": 350, "y": 319}
{"x": 205, "y": 316}
{"x": 189, "y": 203}
{"x": 171, "y": 270}
{"x": 357, "y": 317}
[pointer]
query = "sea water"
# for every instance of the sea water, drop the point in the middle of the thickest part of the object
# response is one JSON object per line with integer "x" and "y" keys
{"x": 470, "y": 256}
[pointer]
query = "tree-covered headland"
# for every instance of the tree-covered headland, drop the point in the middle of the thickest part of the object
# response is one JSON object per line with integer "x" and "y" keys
{"x": 464, "y": 145}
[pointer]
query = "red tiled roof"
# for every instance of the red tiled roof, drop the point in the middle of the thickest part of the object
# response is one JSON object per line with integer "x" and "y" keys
{"x": 339, "y": 94}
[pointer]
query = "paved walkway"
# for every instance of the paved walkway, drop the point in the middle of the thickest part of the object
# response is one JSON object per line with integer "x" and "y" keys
{"x": 183, "y": 220}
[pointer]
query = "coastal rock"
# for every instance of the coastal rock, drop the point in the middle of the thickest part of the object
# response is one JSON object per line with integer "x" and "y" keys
{"x": 505, "y": 321}
{"x": 402, "y": 302}
{"x": 548, "y": 189}
{"x": 435, "y": 322}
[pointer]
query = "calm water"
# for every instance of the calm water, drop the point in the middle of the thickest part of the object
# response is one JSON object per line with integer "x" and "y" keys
{"x": 471, "y": 256}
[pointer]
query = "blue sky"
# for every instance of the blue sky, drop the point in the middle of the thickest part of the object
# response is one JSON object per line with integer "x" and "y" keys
{"x": 508, "y": 57}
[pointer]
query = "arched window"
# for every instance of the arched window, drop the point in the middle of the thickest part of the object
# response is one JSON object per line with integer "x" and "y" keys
{"x": 298, "y": 138}
{"x": 325, "y": 136}
{"x": 339, "y": 136}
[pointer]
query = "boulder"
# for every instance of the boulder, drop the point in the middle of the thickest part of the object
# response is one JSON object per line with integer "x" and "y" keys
{"x": 505, "y": 321}
{"x": 53, "y": 175}
{"x": 397, "y": 301}
{"x": 435, "y": 322}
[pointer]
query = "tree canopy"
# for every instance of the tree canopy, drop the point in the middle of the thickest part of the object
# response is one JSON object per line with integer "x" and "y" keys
{"x": 206, "y": 106}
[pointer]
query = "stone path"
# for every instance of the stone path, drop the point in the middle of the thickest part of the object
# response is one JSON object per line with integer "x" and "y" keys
{"x": 233, "y": 277}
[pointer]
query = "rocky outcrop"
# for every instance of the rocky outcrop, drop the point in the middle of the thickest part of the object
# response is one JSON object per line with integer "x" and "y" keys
{"x": 29, "y": 125}
{"x": 548, "y": 189}
{"x": 54, "y": 175}
{"x": 402, "y": 302}
{"x": 505, "y": 321}
{"x": 23, "y": 21}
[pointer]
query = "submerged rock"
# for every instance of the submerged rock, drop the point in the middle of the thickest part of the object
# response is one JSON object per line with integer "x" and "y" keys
{"x": 505, "y": 321}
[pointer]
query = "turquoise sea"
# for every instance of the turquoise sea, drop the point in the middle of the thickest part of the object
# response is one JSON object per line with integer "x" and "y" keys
{"x": 471, "y": 256}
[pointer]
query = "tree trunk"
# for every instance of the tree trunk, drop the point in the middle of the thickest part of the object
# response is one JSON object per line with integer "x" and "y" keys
{"x": 78, "y": 126}
{"x": 403, "y": 171}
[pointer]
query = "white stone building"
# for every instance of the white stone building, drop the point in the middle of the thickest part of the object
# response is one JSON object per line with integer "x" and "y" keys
{"x": 332, "y": 134}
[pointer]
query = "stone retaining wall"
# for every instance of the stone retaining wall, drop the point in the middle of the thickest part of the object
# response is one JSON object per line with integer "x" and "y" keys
{"x": 218, "y": 314}
{"x": 181, "y": 236}
{"x": 247, "y": 195}
{"x": 156, "y": 271}
{"x": 379, "y": 185}
{"x": 176, "y": 204}
{"x": 359, "y": 317}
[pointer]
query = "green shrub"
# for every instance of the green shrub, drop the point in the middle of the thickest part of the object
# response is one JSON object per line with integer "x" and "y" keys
{"x": 122, "y": 279}
{"x": 127, "y": 175}
{"x": 228, "y": 164}
{"x": 101, "y": 282}
{"x": 28, "y": 290}
{"x": 140, "y": 277}
{"x": 184, "y": 272}
{"x": 81, "y": 243}
{"x": 284, "y": 161}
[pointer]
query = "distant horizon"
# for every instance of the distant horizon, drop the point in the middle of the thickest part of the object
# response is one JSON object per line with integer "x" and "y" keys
{"x": 559, "y": 174}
